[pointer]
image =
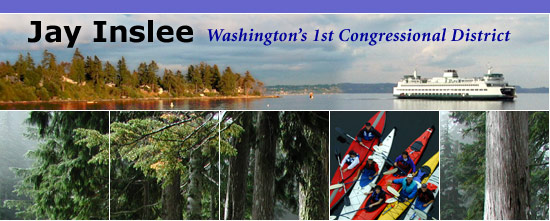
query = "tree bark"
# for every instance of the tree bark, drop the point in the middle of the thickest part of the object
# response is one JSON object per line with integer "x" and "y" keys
{"x": 227, "y": 210}
{"x": 239, "y": 168}
{"x": 172, "y": 198}
{"x": 146, "y": 211}
{"x": 313, "y": 196}
{"x": 194, "y": 206}
{"x": 264, "y": 168}
{"x": 507, "y": 166}
{"x": 214, "y": 192}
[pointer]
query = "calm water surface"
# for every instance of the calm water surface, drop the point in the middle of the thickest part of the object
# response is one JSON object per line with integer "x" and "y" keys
{"x": 298, "y": 102}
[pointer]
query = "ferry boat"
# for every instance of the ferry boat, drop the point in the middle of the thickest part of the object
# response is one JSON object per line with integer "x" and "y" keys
{"x": 489, "y": 87}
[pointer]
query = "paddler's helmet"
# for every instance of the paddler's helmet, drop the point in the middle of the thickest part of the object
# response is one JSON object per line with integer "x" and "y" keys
{"x": 371, "y": 158}
{"x": 410, "y": 175}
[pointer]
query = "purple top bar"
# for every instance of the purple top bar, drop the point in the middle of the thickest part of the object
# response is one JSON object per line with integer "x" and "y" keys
{"x": 280, "y": 6}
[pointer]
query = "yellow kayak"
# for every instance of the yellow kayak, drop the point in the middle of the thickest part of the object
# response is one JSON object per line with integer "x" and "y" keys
{"x": 395, "y": 209}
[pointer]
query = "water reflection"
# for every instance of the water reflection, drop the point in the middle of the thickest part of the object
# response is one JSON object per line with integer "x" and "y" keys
{"x": 294, "y": 102}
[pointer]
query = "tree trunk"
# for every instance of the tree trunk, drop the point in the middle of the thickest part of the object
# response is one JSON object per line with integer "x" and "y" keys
{"x": 195, "y": 194}
{"x": 313, "y": 196}
{"x": 146, "y": 210}
{"x": 239, "y": 168}
{"x": 214, "y": 191}
{"x": 264, "y": 168}
{"x": 172, "y": 198}
{"x": 228, "y": 196}
{"x": 507, "y": 161}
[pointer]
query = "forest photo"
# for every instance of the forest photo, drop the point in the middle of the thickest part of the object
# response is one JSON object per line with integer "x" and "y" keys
{"x": 274, "y": 165}
{"x": 164, "y": 165}
{"x": 494, "y": 165}
{"x": 54, "y": 165}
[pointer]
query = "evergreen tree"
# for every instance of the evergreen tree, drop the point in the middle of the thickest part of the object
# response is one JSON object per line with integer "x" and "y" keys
{"x": 77, "y": 72}
{"x": 68, "y": 179}
{"x": 228, "y": 82}
{"x": 194, "y": 76}
{"x": 124, "y": 77}
{"x": 173, "y": 148}
{"x": 291, "y": 147}
{"x": 216, "y": 76}
{"x": 248, "y": 82}
{"x": 110, "y": 73}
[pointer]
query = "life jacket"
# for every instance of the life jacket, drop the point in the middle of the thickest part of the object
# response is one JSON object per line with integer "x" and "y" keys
{"x": 376, "y": 197}
{"x": 425, "y": 196}
{"x": 350, "y": 160}
{"x": 371, "y": 167}
{"x": 368, "y": 135}
{"x": 404, "y": 165}
{"x": 408, "y": 188}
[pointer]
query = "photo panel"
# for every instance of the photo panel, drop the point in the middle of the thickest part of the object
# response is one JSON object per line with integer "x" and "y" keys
{"x": 164, "y": 165}
{"x": 494, "y": 165}
{"x": 274, "y": 165}
{"x": 54, "y": 165}
{"x": 375, "y": 154}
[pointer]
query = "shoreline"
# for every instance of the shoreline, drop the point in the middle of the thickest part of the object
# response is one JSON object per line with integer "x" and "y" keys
{"x": 145, "y": 99}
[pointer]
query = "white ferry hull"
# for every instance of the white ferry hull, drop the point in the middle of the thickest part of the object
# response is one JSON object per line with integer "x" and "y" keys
{"x": 455, "y": 97}
{"x": 450, "y": 87}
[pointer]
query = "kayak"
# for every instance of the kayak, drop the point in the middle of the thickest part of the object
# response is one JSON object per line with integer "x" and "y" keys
{"x": 357, "y": 194}
{"x": 415, "y": 150}
{"x": 395, "y": 209}
{"x": 336, "y": 195}
{"x": 434, "y": 180}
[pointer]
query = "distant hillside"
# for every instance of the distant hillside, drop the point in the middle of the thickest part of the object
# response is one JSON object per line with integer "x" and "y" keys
{"x": 519, "y": 89}
{"x": 357, "y": 88}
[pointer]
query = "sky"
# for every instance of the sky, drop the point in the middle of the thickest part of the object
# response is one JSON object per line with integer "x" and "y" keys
{"x": 524, "y": 60}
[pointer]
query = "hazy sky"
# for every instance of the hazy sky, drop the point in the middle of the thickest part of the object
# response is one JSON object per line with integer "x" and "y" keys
{"x": 523, "y": 60}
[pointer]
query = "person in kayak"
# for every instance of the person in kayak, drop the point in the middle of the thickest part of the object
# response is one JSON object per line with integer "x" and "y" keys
{"x": 368, "y": 133}
{"x": 377, "y": 198}
{"x": 408, "y": 188}
{"x": 369, "y": 172}
{"x": 424, "y": 197}
{"x": 351, "y": 159}
{"x": 405, "y": 164}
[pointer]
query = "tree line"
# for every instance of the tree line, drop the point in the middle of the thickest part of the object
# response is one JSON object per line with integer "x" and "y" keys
{"x": 88, "y": 78}
{"x": 273, "y": 162}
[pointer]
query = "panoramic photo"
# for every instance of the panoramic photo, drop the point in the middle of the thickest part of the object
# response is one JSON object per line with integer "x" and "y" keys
{"x": 384, "y": 165}
{"x": 385, "y": 61}
{"x": 495, "y": 165}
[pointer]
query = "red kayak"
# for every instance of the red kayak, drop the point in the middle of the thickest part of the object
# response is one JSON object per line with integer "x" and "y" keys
{"x": 415, "y": 151}
{"x": 336, "y": 195}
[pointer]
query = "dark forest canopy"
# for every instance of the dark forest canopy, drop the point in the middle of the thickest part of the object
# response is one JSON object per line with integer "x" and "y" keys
{"x": 90, "y": 78}
{"x": 274, "y": 165}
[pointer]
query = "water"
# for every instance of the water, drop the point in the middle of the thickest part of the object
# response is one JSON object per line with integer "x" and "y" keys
{"x": 409, "y": 124}
{"x": 296, "y": 102}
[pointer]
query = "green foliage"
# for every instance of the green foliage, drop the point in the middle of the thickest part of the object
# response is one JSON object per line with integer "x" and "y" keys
{"x": 64, "y": 182}
{"x": 158, "y": 145}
